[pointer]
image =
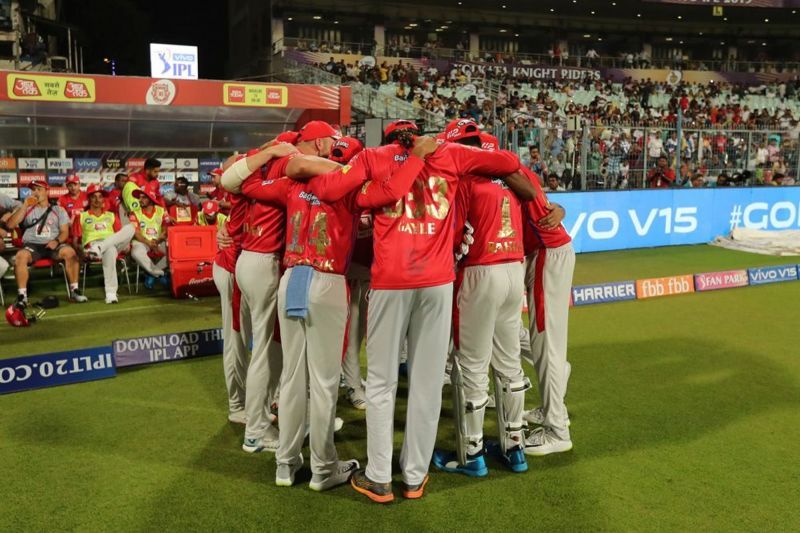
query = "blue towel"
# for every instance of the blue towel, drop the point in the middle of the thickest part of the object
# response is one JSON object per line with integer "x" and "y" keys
{"x": 297, "y": 291}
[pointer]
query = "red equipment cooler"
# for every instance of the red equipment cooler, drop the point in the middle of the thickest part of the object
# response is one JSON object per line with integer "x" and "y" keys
{"x": 191, "y": 255}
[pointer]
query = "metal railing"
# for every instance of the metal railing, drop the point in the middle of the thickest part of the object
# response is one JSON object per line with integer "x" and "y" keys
{"x": 499, "y": 56}
{"x": 365, "y": 98}
{"x": 607, "y": 157}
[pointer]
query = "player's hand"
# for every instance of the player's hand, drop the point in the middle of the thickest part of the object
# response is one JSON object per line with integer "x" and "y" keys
{"x": 3, "y": 233}
{"x": 424, "y": 146}
{"x": 52, "y": 245}
{"x": 282, "y": 150}
{"x": 466, "y": 241}
{"x": 554, "y": 218}
{"x": 30, "y": 201}
{"x": 224, "y": 240}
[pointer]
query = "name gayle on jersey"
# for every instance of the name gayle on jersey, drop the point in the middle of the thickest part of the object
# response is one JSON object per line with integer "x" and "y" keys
{"x": 417, "y": 228}
{"x": 508, "y": 247}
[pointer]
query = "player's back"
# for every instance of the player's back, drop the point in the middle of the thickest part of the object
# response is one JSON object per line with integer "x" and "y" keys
{"x": 535, "y": 236}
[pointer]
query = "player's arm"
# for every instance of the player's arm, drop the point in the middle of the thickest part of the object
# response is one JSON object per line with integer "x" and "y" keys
{"x": 460, "y": 211}
{"x": 554, "y": 217}
{"x": 379, "y": 193}
{"x": 18, "y": 215}
{"x": 269, "y": 191}
{"x": 333, "y": 186}
{"x": 304, "y": 167}
{"x": 470, "y": 160}
{"x": 521, "y": 186}
{"x": 233, "y": 177}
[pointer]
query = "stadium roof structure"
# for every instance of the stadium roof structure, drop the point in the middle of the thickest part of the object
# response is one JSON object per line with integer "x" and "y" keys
{"x": 79, "y": 111}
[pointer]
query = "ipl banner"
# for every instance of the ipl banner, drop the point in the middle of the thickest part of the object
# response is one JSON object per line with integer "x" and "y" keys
{"x": 599, "y": 221}
{"x": 168, "y": 347}
{"x": 60, "y": 368}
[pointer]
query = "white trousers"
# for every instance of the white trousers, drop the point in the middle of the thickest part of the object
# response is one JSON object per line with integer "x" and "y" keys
{"x": 234, "y": 343}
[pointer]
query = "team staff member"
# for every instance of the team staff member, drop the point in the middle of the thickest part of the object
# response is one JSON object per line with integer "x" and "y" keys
{"x": 99, "y": 234}
{"x": 489, "y": 297}
{"x": 411, "y": 291}
{"x": 7, "y": 206}
{"x": 150, "y": 238}
{"x": 75, "y": 200}
{"x": 182, "y": 215}
{"x": 114, "y": 197}
{"x": 181, "y": 195}
{"x": 147, "y": 180}
{"x": 258, "y": 274}
{"x": 45, "y": 234}
{"x": 550, "y": 262}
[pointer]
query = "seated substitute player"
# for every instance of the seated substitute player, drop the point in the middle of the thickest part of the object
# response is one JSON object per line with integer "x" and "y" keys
{"x": 219, "y": 194}
{"x": 150, "y": 238}
{"x": 74, "y": 200}
{"x": 210, "y": 215}
{"x": 182, "y": 195}
{"x": 181, "y": 214}
{"x": 45, "y": 234}
{"x": 147, "y": 179}
{"x": 486, "y": 314}
{"x": 98, "y": 234}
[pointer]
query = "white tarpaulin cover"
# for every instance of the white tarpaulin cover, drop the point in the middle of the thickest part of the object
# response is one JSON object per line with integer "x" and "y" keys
{"x": 763, "y": 242}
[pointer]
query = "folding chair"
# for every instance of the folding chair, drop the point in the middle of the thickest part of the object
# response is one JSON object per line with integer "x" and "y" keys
{"x": 46, "y": 262}
{"x": 123, "y": 267}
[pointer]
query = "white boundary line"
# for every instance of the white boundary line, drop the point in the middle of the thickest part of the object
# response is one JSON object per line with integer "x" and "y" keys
{"x": 110, "y": 311}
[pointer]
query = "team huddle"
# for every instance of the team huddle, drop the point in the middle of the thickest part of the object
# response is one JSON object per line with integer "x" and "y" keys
{"x": 420, "y": 245}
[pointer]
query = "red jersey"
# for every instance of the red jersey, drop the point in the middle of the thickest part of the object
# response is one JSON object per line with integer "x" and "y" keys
{"x": 151, "y": 187}
{"x": 535, "y": 237}
{"x": 73, "y": 206}
{"x": 265, "y": 227}
{"x": 113, "y": 200}
{"x": 221, "y": 195}
{"x": 226, "y": 258}
{"x": 413, "y": 238}
{"x": 182, "y": 215}
{"x": 494, "y": 212}
{"x": 322, "y": 234}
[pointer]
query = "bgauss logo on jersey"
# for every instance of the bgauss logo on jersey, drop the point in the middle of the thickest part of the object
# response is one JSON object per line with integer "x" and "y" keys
{"x": 500, "y": 182}
{"x": 310, "y": 198}
{"x": 399, "y": 158}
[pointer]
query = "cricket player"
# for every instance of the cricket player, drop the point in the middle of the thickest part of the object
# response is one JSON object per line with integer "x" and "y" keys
{"x": 258, "y": 273}
{"x": 147, "y": 179}
{"x": 550, "y": 262}
{"x": 234, "y": 310}
{"x": 486, "y": 319}
{"x": 7, "y": 206}
{"x": 98, "y": 234}
{"x": 74, "y": 200}
{"x": 411, "y": 292}
{"x": 211, "y": 215}
{"x": 150, "y": 237}
{"x": 313, "y": 311}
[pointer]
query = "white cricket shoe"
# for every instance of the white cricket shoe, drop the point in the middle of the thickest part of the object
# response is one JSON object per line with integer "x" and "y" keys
{"x": 536, "y": 416}
{"x": 542, "y": 441}
{"x": 338, "y": 424}
{"x": 344, "y": 469}
{"x": 267, "y": 443}
{"x": 94, "y": 251}
{"x": 284, "y": 473}
{"x": 111, "y": 298}
{"x": 357, "y": 398}
{"x": 238, "y": 417}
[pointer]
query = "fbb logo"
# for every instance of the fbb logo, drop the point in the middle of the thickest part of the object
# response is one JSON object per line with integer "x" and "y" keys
{"x": 23, "y": 87}
{"x": 651, "y": 288}
{"x": 236, "y": 93}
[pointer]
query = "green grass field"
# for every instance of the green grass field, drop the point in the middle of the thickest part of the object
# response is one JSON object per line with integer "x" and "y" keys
{"x": 685, "y": 417}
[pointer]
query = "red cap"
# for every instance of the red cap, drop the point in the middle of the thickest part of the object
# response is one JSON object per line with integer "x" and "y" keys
{"x": 489, "y": 142}
{"x": 138, "y": 193}
{"x": 461, "y": 128}
{"x": 345, "y": 149}
{"x": 317, "y": 129}
{"x": 38, "y": 183}
{"x": 290, "y": 137}
{"x": 210, "y": 208}
{"x": 73, "y": 178}
{"x": 216, "y": 172}
{"x": 93, "y": 188}
{"x": 440, "y": 138}
{"x": 399, "y": 125}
